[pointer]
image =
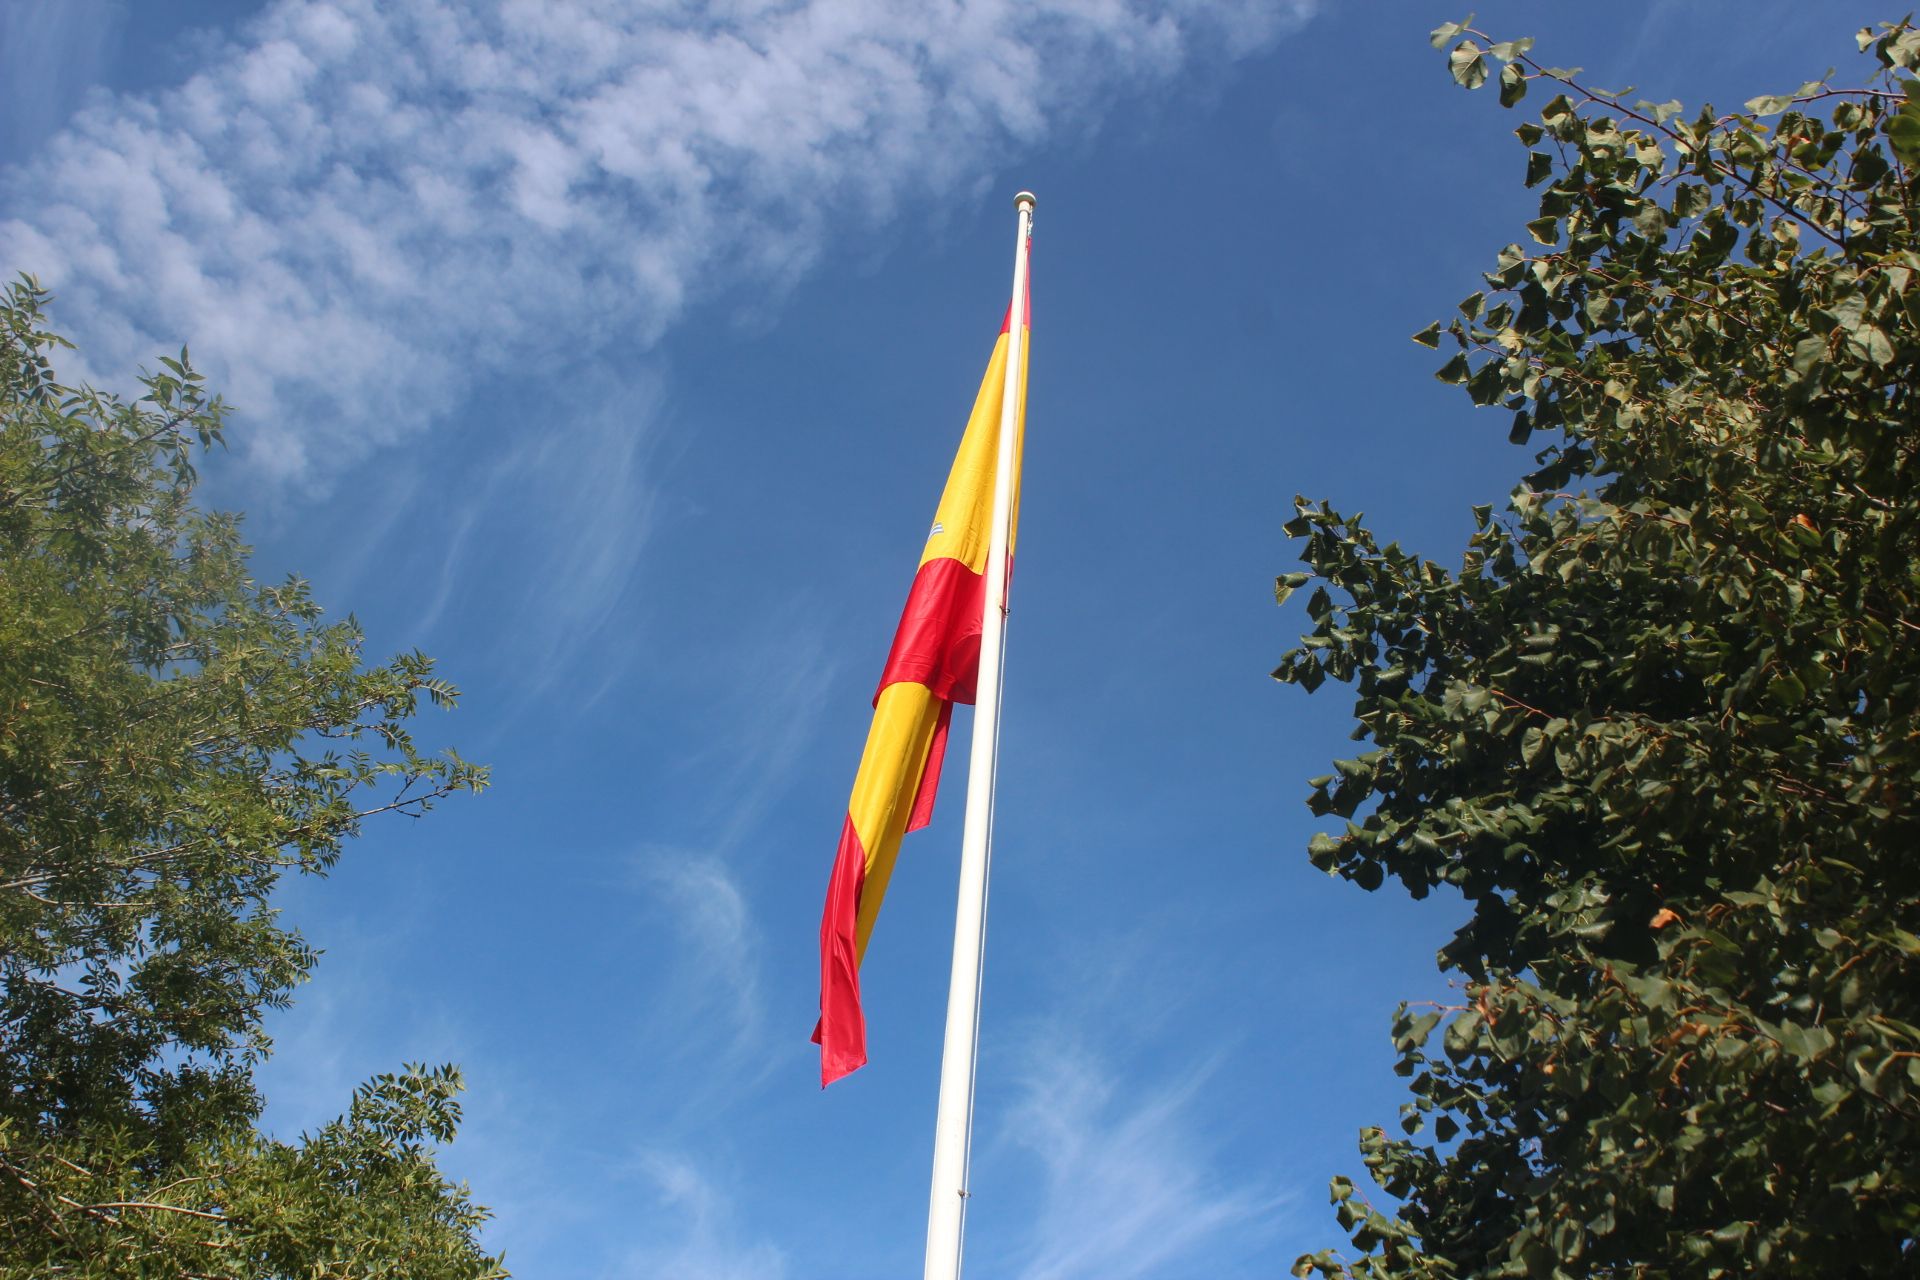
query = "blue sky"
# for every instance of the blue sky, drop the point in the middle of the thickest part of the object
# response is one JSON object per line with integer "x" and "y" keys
{"x": 614, "y": 355}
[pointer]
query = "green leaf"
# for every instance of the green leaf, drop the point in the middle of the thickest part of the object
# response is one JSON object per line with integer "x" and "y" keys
{"x": 1446, "y": 31}
{"x": 1487, "y": 384}
{"x": 1415, "y": 1031}
{"x": 1849, "y": 312}
{"x": 1531, "y": 743}
{"x": 1513, "y": 84}
{"x": 1871, "y": 343}
{"x": 1468, "y": 64}
{"x": 1808, "y": 353}
{"x": 1903, "y": 131}
{"x": 1903, "y": 50}
{"x": 1429, "y": 336}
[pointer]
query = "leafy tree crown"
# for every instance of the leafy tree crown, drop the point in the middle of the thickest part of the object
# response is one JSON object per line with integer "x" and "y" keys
{"x": 1659, "y": 728}
{"x": 174, "y": 738}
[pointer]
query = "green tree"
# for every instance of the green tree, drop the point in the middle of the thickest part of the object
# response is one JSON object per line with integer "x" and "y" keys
{"x": 1659, "y": 729}
{"x": 173, "y": 738}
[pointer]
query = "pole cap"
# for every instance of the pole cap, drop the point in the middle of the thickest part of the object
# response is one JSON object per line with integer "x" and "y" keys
{"x": 1025, "y": 198}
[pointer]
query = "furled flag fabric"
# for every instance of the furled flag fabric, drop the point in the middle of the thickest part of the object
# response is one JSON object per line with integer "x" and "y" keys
{"x": 934, "y": 663}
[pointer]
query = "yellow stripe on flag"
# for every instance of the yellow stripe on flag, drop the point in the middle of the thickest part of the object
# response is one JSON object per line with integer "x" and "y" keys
{"x": 963, "y": 526}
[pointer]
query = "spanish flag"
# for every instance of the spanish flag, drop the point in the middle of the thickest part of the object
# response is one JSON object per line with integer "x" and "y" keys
{"x": 934, "y": 663}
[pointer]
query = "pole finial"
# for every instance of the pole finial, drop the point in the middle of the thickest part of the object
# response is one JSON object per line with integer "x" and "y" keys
{"x": 1025, "y": 198}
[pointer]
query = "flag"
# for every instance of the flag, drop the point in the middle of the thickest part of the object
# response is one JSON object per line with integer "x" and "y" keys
{"x": 934, "y": 663}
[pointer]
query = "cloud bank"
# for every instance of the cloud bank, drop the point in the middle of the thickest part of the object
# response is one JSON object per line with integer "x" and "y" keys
{"x": 357, "y": 210}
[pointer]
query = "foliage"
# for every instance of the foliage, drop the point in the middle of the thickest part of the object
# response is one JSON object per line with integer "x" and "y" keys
{"x": 1660, "y": 728}
{"x": 173, "y": 737}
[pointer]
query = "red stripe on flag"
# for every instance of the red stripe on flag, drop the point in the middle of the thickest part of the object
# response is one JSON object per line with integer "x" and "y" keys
{"x": 938, "y": 641}
{"x": 930, "y": 776}
{"x": 842, "y": 1030}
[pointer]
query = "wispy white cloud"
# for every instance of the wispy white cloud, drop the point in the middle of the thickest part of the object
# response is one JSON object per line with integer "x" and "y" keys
{"x": 705, "y": 1242}
{"x": 548, "y": 528}
{"x": 356, "y": 208}
{"x": 50, "y": 55}
{"x": 771, "y": 717}
{"x": 1129, "y": 1185}
{"x": 718, "y": 952}
{"x": 350, "y": 1020}
{"x": 355, "y": 1020}
{"x": 704, "y": 1007}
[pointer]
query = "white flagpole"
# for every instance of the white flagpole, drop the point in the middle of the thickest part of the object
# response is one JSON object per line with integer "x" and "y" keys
{"x": 953, "y": 1124}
